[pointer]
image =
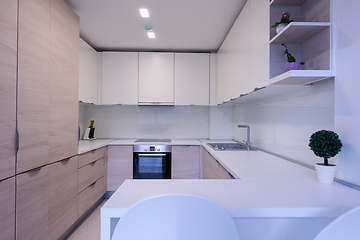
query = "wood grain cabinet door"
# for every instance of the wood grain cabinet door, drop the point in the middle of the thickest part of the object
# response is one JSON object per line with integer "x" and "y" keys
{"x": 8, "y": 58}
{"x": 33, "y": 84}
{"x": 119, "y": 166}
{"x": 64, "y": 81}
{"x": 62, "y": 211}
{"x": 32, "y": 204}
{"x": 7, "y": 209}
{"x": 185, "y": 162}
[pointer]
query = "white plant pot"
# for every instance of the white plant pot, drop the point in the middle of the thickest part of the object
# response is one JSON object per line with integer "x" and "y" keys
{"x": 325, "y": 174}
{"x": 280, "y": 27}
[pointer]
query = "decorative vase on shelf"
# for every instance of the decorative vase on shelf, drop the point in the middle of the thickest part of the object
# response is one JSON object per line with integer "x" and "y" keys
{"x": 292, "y": 66}
{"x": 325, "y": 173}
{"x": 280, "y": 27}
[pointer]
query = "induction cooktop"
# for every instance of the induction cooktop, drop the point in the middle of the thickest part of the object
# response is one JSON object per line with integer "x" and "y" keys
{"x": 153, "y": 140}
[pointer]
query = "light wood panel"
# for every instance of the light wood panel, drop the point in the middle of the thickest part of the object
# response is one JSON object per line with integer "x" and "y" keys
{"x": 212, "y": 169}
{"x": 7, "y": 209}
{"x": 120, "y": 166}
{"x": 32, "y": 205}
{"x": 62, "y": 212}
{"x": 185, "y": 162}
{"x": 90, "y": 195}
{"x": 8, "y": 59}
{"x": 90, "y": 173}
{"x": 64, "y": 81}
{"x": 33, "y": 84}
{"x": 91, "y": 156}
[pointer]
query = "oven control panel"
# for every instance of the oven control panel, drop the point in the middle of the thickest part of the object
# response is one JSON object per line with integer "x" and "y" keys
{"x": 152, "y": 148}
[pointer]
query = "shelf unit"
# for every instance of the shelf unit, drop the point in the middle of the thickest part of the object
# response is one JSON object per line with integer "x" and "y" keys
{"x": 308, "y": 39}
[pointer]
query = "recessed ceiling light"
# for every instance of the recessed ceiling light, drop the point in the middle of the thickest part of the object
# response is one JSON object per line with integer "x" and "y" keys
{"x": 151, "y": 35}
{"x": 144, "y": 12}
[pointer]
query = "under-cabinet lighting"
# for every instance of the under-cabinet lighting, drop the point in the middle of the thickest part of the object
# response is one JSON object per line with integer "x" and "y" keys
{"x": 144, "y": 12}
{"x": 151, "y": 35}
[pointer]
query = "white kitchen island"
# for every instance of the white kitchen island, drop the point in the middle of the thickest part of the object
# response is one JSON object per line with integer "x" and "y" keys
{"x": 266, "y": 209}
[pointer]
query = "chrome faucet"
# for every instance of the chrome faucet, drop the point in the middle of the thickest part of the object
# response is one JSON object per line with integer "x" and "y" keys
{"x": 248, "y": 143}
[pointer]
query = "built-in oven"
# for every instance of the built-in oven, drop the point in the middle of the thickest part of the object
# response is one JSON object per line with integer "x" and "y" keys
{"x": 152, "y": 162}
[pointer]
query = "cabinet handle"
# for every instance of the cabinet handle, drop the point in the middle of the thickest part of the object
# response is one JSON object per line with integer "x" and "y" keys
{"x": 231, "y": 175}
{"x": 64, "y": 160}
{"x": 36, "y": 169}
{"x": 16, "y": 142}
{"x": 93, "y": 184}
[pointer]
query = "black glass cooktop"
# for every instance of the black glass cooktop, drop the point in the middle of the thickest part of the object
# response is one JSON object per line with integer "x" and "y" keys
{"x": 153, "y": 140}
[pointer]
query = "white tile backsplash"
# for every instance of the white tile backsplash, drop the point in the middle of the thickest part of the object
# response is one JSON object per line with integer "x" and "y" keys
{"x": 177, "y": 122}
{"x": 284, "y": 124}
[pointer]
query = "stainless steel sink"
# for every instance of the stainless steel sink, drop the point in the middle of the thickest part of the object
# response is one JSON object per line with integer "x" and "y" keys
{"x": 227, "y": 146}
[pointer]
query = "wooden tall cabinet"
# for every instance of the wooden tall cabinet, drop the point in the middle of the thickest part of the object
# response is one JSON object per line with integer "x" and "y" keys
{"x": 32, "y": 204}
{"x": 33, "y": 84}
{"x": 64, "y": 81}
{"x": 62, "y": 210}
{"x": 8, "y": 53}
{"x": 7, "y": 209}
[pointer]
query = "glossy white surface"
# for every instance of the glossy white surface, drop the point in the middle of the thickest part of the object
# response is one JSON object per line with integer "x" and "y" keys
{"x": 259, "y": 165}
{"x": 283, "y": 124}
{"x": 245, "y": 198}
{"x": 87, "y": 73}
{"x": 347, "y": 110}
{"x": 173, "y": 142}
{"x": 88, "y": 145}
{"x": 178, "y": 122}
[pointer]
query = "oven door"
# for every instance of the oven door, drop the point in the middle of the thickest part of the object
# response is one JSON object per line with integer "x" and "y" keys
{"x": 152, "y": 166}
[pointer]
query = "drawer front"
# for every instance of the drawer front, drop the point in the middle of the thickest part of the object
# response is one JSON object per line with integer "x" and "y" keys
{"x": 90, "y": 195}
{"x": 90, "y": 173}
{"x": 89, "y": 157}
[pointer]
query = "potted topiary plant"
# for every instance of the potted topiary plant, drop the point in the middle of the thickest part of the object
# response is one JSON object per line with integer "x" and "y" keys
{"x": 325, "y": 144}
{"x": 284, "y": 21}
{"x": 291, "y": 64}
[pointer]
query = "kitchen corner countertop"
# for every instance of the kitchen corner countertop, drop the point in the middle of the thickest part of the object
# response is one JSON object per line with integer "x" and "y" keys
{"x": 89, "y": 145}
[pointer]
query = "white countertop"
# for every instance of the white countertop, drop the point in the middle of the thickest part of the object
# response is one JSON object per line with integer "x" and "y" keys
{"x": 89, "y": 145}
{"x": 258, "y": 165}
{"x": 245, "y": 198}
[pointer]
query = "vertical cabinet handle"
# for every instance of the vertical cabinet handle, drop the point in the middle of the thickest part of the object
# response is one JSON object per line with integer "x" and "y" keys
{"x": 16, "y": 142}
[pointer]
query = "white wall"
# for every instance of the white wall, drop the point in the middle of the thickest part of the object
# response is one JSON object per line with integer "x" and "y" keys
{"x": 284, "y": 124}
{"x": 178, "y": 122}
{"x": 347, "y": 85}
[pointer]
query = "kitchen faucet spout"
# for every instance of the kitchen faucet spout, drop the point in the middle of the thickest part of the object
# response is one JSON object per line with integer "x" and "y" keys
{"x": 248, "y": 143}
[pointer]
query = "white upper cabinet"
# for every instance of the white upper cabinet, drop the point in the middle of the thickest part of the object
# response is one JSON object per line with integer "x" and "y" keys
{"x": 156, "y": 78}
{"x": 119, "y": 79}
{"x": 233, "y": 60}
{"x": 192, "y": 79}
{"x": 88, "y": 74}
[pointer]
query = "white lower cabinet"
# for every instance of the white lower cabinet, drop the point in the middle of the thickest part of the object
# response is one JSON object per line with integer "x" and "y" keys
{"x": 212, "y": 169}
{"x": 7, "y": 209}
{"x": 62, "y": 211}
{"x": 119, "y": 166}
{"x": 185, "y": 162}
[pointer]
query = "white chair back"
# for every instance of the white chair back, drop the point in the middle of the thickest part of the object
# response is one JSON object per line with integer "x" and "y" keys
{"x": 345, "y": 227}
{"x": 176, "y": 217}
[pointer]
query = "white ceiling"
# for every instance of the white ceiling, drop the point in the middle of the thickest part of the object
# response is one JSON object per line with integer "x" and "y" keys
{"x": 179, "y": 25}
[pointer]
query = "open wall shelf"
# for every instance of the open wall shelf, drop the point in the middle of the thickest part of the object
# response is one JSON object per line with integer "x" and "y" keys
{"x": 287, "y": 2}
{"x": 299, "y": 32}
{"x": 300, "y": 77}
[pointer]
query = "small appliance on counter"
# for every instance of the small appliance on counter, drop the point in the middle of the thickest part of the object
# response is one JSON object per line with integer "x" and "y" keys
{"x": 90, "y": 131}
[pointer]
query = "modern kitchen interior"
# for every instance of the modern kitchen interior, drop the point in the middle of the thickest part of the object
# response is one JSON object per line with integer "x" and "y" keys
{"x": 108, "y": 106}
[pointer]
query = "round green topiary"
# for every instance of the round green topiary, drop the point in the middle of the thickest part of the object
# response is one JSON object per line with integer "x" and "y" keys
{"x": 325, "y": 144}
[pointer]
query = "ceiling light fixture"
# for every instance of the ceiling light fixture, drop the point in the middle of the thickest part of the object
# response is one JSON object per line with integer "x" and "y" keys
{"x": 144, "y": 12}
{"x": 151, "y": 35}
